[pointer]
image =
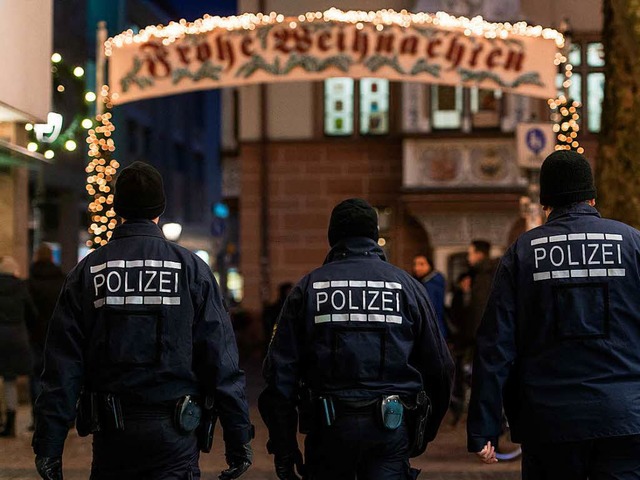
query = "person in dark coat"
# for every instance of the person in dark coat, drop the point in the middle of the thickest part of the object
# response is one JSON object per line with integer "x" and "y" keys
{"x": 16, "y": 312}
{"x": 142, "y": 337}
{"x": 483, "y": 268}
{"x": 435, "y": 284}
{"x": 355, "y": 355}
{"x": 45, "y": 282}
{"x": 558, "y": 344}
{"x": 462, "y": 341}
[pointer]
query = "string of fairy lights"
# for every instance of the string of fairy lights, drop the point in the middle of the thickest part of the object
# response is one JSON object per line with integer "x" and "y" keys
{"x": 249, "y": 21}
{"x": 102, "y": 166}
{"x": 101, "y": 172}
{"x": 565, "y": 111}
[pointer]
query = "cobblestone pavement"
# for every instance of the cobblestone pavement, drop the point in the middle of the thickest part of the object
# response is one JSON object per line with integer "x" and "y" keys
{"x": 446, "y": 458}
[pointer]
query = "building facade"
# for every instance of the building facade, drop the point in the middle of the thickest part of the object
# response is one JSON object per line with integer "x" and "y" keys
{"x": 25, "y": 96}
{"x": 439, "y": 163}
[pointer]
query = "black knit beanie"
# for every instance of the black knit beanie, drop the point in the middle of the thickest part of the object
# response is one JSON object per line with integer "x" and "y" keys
{"x": 139, "y": 192}
{"x": 353, "y": 218}
{"x": 565, "y": 178}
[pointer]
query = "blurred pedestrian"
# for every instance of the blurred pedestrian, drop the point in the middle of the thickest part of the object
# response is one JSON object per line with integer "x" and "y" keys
{"x": 271, "y": 312}
{"x": 483, "y": 268}
{"x": 462, "y": 342}
{"x": 558, "y": 344}
{"x": 459, "y": 312}
{"x": 141, "y": 340}
{"x": 16, "y": 312}
{"x": 355, "y": 356}
{"x": 435, "y": 284}
{"x": 45, "y": 282}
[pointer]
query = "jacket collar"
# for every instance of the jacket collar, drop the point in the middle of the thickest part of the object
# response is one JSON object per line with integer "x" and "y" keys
{"x": 575, "y": 209}
{"x": 429, "y": 276}
{"x": 141, "y": 227}
{"x": 355, "y": 246}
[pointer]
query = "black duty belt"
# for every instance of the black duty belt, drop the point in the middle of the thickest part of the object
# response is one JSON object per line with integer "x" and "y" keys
{"x": 142, "y": 409}
{"x": 356, "y": 407}
{"x": 108, "y": 412}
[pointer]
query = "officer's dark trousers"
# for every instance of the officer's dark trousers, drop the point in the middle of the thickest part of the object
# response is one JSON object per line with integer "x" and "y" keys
{"x": 150, "y": 448}
{"x": 615, "y": 458}
{"x": 357, "y": 446}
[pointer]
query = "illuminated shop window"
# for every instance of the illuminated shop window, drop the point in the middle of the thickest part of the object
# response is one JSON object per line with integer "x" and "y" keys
{"x": 338, "y": 106}
{"x": 595, "y": 54}
{"x": 575, "y": 54}
{"x": 456, "y": 108}
{"x": 595, "y": 87}
{"x": 374, "y": 106}
{"x": 587, "y": 81}
{"x": 344, "y": 116}
{"x": 575, "y": 89}
{"x": 446, "y": 104}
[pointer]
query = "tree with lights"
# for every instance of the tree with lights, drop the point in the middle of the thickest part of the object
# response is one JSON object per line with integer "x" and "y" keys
{"x": 565, "y": 111}
{"x": 66, "y": 77}
{"x": 618, "y": 167}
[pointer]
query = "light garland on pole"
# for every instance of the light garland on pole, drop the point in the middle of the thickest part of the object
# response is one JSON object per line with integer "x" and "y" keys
{"x": 564, "y": 111}
{"x": 101, "y": 170}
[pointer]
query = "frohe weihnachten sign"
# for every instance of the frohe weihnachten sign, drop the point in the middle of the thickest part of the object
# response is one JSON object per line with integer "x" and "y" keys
{"x": 216, "y": 52}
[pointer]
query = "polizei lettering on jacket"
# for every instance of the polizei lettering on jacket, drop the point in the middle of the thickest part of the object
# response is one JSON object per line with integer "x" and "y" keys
{"x": 578, "y": 255}
{"x": 357, "y": 301}
{"x": 136, "y": 282}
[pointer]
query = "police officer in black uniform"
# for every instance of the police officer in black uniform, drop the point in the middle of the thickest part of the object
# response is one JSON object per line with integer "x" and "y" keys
{"x": 141, "y": 339}
{"x": 558, "y": 344}
{"x": 355, "y": 360}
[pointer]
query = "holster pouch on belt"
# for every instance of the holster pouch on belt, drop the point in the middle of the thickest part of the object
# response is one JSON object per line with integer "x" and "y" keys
{"x": 207, "y": 426}
{"x": 98, "y": 412}
{"x": 421, "y": 414}
{"x": 113, "y": 412}
{"x": 87, "y": 414}
{"x": 327, "y": 411}
{"x": 392, "y": 412}
{"x": 187, "y": 415}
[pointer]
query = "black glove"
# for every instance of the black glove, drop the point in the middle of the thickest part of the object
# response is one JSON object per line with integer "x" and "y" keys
{"x": 287, "y": 464}
{"x": 239, "y": 459}
{"x": 49, "y": 468}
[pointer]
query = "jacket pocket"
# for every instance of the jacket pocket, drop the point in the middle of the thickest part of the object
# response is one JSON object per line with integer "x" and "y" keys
{"x": 358, "y": 353}
{"x": 134, "y": 338}
{"x": 581, "y": 311}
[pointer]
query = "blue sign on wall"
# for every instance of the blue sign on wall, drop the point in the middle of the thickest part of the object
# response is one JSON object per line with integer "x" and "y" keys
{"x": 536, "y": 140}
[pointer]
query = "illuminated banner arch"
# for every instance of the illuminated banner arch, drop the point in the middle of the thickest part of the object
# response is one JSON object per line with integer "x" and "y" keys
{"x": 216, "y": 52}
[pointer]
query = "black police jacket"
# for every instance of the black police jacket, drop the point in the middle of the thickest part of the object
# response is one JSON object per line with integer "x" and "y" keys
{"x": 356, "y": 328}
{"x": 143, "y": 318}
{"x": 559, "y": 338}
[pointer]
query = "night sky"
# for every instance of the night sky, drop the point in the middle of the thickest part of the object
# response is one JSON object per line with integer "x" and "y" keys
{"x": 193, "y": 9}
